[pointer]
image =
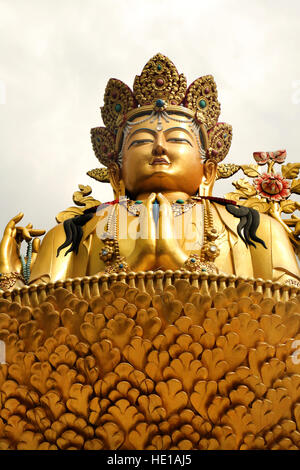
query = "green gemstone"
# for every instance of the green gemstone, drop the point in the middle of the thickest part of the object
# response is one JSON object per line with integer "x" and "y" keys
{"x": 180, "y": 201}
{"x": 204, "y": 270}
{"x": 202, "y": 103}
{"x": 159, "y": 67}
{"x": 118, "y": 107}
{"x": 138, "y": 202}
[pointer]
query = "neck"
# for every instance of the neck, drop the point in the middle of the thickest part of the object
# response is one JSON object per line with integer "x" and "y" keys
{"x": 170, "y": 195}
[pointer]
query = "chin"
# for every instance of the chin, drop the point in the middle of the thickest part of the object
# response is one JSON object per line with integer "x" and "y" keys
{"x": 160, "y": 182}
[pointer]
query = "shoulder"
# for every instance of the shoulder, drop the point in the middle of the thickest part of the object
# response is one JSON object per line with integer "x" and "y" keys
{"x": 55, "y": 233}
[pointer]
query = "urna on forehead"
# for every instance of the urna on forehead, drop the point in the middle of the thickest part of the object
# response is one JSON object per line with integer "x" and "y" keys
{"x": 160, "y": 92}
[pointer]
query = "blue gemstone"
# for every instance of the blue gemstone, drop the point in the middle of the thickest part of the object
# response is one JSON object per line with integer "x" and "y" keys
{"x": 104, "y": 252}
{"x": 160, "y": 103}
{"x": 159, "y": 67}
{"x": 98, "y": 140}
{"x": 193, "y": 260}
{"x": 121, "y": 265}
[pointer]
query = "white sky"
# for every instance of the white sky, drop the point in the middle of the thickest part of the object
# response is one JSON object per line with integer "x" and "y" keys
{"x": 56, "y": 57}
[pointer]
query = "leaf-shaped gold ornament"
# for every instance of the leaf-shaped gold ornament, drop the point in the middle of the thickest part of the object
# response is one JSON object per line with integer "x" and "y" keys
{"x": 99, "y": 174}
{"x": 295, "y": 186}
{"x": 236, "y": 196}
{"x": 258, "y": 204}
{"x": 68, "y": 214}
{"x": 81, "y": 198}
{"x": 288, "y": 207}
{"x": 244, "y": 186}
{"x": 291, "y": 170}
{"x": 225, "y": 170}
{"x": 250, "y": 170}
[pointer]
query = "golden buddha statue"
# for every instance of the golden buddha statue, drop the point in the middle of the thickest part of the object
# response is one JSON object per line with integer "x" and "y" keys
{"x": 162, "y": 147}
{"x": 167, "y": 318}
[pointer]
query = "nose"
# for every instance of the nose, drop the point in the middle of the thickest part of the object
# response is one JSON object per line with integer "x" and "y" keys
{"x": 159, "y": 146}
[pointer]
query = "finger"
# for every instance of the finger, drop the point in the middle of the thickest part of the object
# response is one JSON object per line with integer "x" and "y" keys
{"x": 36, "y": 245}
{"x": 165, "y": 206}
{"x": 150, "y": 200}
{"x": 24, "y": 233}
{"x": 28, "y": 233}
{"x": 12, "y": 223}
{"x": 148, "y": 225}
{"x": 165, "y": 218}
{"x": 36, "y": 233}
{"x": 18, "y": 217}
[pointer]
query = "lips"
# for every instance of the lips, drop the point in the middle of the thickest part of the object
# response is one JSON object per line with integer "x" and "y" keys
{"x": 159, "y": 161}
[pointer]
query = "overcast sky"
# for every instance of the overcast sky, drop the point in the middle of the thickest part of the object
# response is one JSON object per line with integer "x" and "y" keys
{"x": 56, "y": 57}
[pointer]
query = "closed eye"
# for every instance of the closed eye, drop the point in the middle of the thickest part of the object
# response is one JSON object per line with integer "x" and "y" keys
{"x": 177, "y": 139}
{"x": 140, "y": 141}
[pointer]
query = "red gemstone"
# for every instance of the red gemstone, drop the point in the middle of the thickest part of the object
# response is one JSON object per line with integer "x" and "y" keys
{"x": 173, "y": 102}
{"x": 219, "y": 144}
{"x": 206, "y": 90}
{"x": 114, "y": 95}
{"x": 105, "y": 149}
{"x": 160, "y": 82}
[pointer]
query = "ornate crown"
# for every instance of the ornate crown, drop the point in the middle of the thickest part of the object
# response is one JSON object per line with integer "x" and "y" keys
{"x": 160, "y": 88}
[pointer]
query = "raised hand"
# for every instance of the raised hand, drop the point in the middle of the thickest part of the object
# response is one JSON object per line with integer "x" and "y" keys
{"x": 144, "y": 254}
{"x": 157, "y": 245}
{"x": 169, "y": 253}
{"x": 11, "y": 243}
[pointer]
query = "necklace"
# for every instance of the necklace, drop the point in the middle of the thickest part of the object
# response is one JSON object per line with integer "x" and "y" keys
{"x": 115, "y": 263}
{"x": 179, "y": 206}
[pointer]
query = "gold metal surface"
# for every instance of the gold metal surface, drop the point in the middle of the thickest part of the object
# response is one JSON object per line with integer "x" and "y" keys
{"x": 151, "y": 361}
{"x": 171, "y": 333}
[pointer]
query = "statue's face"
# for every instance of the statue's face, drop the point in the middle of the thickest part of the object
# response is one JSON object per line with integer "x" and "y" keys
{"x": 161, "y": 160}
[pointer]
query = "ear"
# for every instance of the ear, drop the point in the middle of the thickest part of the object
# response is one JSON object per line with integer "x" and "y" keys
{"x": 115, "y": 178}
{"x": 209, "y": 173}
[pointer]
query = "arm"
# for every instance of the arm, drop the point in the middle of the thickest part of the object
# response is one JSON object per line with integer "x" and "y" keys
{"x": 278, "y": 262}
{"x": 48, "y": 267}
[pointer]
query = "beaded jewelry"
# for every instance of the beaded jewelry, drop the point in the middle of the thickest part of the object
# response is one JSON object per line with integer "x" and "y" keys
{"x": 115, "y": 263}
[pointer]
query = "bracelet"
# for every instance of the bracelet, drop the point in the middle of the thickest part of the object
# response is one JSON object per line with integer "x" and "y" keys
{"x": 293, "y": 283}
{"x": 120, "y": 266}
{"x": 8, "y": 280}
